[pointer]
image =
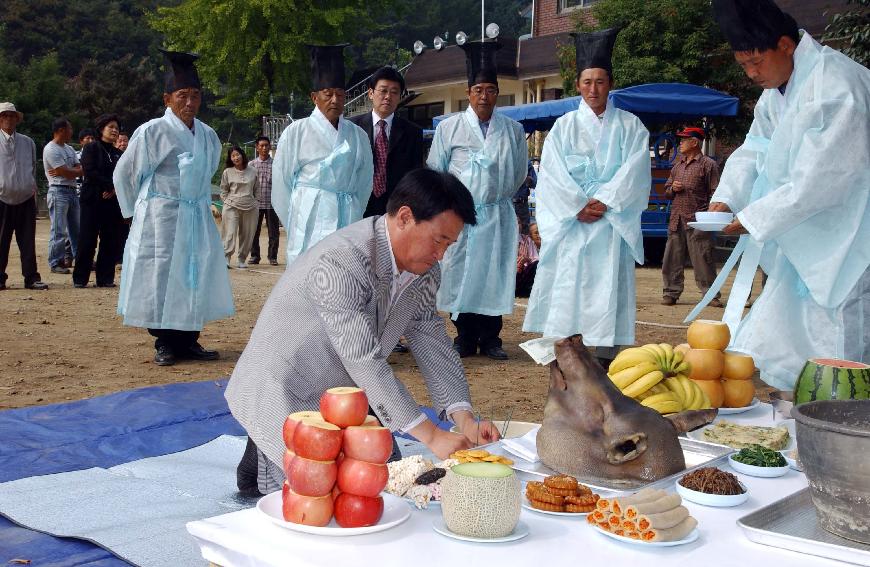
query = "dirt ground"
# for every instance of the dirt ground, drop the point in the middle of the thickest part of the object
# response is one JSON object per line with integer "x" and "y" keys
{"x": 67, "y": 344}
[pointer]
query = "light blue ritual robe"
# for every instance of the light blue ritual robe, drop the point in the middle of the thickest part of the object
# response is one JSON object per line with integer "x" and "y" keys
{"x": 478, "y": 272}
{"x": 321, "y": 179}
{"x": 585, "y": 279}
{"x": 800, "y": 186}
{"x": 175, "y": 273}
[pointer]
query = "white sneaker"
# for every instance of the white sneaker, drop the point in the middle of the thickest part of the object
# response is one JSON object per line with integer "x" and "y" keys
{"x": 242, "y": 265}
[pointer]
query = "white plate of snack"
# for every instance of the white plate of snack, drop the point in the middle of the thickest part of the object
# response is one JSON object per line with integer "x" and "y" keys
{"x": 780, "y": 437}
{"x": 520, "y": 531}
{"x": 729, "y": 411}
{"x": 710, "y": 486}
{"x": 708, "y": 226}
{"x": 395, "y": 512}
{"x": 759, "y": 461}
{"x": 559, "y": 495}
{"x": 692, "y": 536}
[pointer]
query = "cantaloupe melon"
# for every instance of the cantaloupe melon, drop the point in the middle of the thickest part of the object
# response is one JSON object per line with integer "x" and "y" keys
{"x": 705, "y": 333}
{"x": 481, "y": 500}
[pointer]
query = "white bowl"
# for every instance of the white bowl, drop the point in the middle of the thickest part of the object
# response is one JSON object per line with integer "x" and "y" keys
{"x": 706, "y": 216}
{"x": 752, "y": 470}
{"x": 718, "y": 500}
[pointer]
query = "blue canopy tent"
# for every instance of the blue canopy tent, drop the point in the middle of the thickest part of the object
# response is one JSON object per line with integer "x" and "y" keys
{"x": 655, "y": 102}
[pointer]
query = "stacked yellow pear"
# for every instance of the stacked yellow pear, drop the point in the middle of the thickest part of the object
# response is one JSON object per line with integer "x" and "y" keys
{"x": 656, "y": 375}
{"x": 724, "y": 376}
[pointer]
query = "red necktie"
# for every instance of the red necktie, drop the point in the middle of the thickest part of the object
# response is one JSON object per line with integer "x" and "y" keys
{"x": 380, "y": 182}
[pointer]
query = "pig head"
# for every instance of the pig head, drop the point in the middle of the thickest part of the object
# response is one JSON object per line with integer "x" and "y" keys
{"x": 594, "y": 432}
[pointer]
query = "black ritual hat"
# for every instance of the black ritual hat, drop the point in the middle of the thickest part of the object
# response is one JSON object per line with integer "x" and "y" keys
{"x": 480, "y": 62}
{"x": 180, "y": 71}
{"x": 594, "y": 50}
{"x": 327, "y": 66}
{"x": 753, "y": 25}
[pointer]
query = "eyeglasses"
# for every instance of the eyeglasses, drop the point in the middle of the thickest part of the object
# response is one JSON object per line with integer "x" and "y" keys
{"x": 488, "y": 91}
{"x": 382, "y": 92}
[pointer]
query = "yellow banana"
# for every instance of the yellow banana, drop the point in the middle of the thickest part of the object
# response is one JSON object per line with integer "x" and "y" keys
{"x": 667, "y": 407}
{"x": 657, "y": 351}
{"x": 643, "y": 383}
{"x": 705, "y": 399}
{"x": 657, "y": 389}
{"x": 624, "y": 378}
{"x": 658, "y": 398}
{"x": 678, "y": 358}
{"x": 683, "y": 368}
{"x": 628, "y": 358}
{"x": 669, "y": 356}
{"x": 674, "y": 386}
{"x": 693, "y": 399}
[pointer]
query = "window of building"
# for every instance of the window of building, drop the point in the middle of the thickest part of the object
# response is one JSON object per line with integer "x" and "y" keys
{"x": 568, "y": 5}
{"x": 502, "y": 100}
{"x": 422, "y": 114}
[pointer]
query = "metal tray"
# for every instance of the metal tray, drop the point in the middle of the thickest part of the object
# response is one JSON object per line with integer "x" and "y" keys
{"x": 696, "y": 453}
{"x": 791, "y": 523}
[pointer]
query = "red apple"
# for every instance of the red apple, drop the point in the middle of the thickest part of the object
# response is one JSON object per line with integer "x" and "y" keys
{"x": 339, "y": 458}
{"x": 292, "y": 421}
{"x": 288, "y": 458}
{"x": 352, "y": 511}
{"x": 371, "y": 444}
{"x": 312, "y": 478}
{"x": 317, "y": 440}
{"x": 372, "y": 421}
{"x": 361, "y": 478}
{"x": 335, "y": 492}
{"x": 344, "y": 406}
{"x": 308, "y": 510}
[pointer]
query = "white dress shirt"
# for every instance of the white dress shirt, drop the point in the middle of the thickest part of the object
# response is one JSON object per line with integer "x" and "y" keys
{"x": 376, "y": 128}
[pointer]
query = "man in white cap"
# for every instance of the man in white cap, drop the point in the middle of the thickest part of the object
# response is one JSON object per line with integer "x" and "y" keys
{"x": 800, "y": 188}
{"x": 17, "y": 197}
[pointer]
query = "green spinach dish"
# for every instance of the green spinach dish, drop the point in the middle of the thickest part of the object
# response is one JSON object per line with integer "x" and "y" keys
{"x": 759, "y": 456}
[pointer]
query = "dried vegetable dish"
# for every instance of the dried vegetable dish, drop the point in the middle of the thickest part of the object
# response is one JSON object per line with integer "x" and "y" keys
{"x": 711, "y": 480}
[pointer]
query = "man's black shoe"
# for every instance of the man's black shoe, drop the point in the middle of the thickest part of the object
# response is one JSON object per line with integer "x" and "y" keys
{"x": 495, "y": 353}
{"x": 464, "y": 351}
{"x": 80, "y": 285}
{"x": 196, "y": 352}
{"x": 164, "y": 356}
{"x": 400, "y": 348}
{"x": 254, "y": 261}
{"x": 37, "y": 285}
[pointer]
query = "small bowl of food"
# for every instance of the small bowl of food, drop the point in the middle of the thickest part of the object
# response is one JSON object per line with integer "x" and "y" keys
{"x": 792, "y": 459}
{"x": 782, "y": 403}
{"x": 759, "y": 461}
{"x": 710, "y": 486}
{"x": 707, "y": 216}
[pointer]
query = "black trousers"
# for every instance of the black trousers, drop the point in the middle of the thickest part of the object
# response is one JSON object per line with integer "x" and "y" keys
{"x": 272, "y": 228}
{"x": 478, "y": 330}
{"x": 100, "y": 220}
{"x": 21, "y": 220}
{"x": 177, "y": 341}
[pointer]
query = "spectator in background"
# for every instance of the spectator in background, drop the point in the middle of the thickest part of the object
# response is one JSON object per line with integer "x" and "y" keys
{"x": 61, "y": 170}
{"x": 101, "y": 214}
{"x": 521, "y": 199}
{"x": 534, "y": 234}
{"x": 692, "y": 181}
{"x": 263, "y": 165}
{"x": 239, "y": 186}
{"x": 17, "y": 197}
{"x": 122, "y": 141}
{"x": 527, "y": 262}
{"x": 86, "y": 136}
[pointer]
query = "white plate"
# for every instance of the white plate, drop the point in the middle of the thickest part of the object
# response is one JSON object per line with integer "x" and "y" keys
{"x": 395, "y": 512}
{"x": 792, "y": 462}
{"x": 520, "y": 531}
{"x": 693, "y": 535}
{"x": 728, "y": 411}
{"x": 528, "y": 506}
{"x": 698, "y": 434}
{"x": 752, "y": 470}
{"x": 431, "y": 503}
{"x": 708, "y": 227}
{"x": 718, "y": 500}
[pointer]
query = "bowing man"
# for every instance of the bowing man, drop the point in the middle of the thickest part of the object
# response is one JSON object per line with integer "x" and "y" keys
{"x": 800, "y": 188}
{"x": 488, "y": 153}
{"x": 322, "y": 170}
{"x": 175, "y": 276}
{"x": 593, "y": 184}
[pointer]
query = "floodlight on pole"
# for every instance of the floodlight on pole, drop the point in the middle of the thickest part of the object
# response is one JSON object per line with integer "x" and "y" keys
{"x": 461, "y": 38}
{"x": 492, "y": 31}
{"x": 437, "y": 43}
{"x": 419, "y": 46}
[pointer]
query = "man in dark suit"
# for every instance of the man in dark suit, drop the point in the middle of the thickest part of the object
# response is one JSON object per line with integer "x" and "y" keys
{"x": 397, "y": 144}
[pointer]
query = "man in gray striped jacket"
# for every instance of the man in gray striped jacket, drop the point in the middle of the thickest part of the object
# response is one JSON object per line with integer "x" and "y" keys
{"x": 336, "y": 314}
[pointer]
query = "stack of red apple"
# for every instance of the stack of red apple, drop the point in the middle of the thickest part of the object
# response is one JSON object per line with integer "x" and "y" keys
{"x": 335, "y": 462}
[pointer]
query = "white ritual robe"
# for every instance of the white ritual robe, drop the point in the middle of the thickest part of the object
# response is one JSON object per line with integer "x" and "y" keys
{"x": 321, "y": 179}
{"x": 585, "y": 281}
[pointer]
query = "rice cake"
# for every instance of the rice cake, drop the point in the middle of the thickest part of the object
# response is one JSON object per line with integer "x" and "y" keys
{"x": 740, "y": 436}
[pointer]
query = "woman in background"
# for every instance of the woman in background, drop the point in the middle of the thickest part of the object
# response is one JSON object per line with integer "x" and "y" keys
{"x": 239, "y": 187}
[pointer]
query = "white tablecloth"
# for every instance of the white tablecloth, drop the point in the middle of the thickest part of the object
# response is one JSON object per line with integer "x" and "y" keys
{"x": 248, "y": 539}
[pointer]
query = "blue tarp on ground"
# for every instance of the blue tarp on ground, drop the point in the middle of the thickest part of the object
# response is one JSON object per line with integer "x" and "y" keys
{"x": 655, "y": 102}
{"x": 103, "y": 432}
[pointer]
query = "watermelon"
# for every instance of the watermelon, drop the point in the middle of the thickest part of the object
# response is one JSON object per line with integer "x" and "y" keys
{"x": 832, "y": 379}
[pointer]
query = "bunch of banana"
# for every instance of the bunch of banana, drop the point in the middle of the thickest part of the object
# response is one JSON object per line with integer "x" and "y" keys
{"x": 687, "y": 392}
{"x": 655, "y": 375}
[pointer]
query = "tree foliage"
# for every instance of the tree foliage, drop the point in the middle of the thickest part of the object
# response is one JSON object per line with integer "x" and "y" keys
{"x": 255, "y": 48}
{"x": 851, "y": 29}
